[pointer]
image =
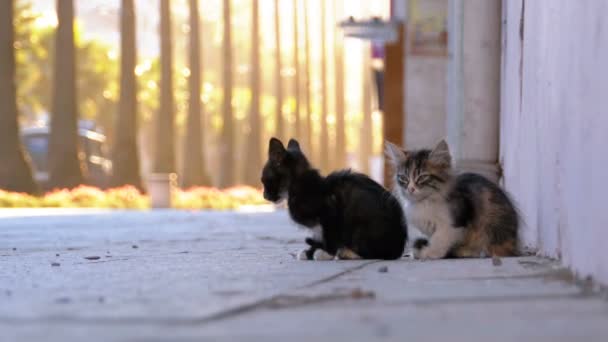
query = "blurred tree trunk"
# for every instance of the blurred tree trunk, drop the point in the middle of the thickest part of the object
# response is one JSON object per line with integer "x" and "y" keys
{"x": 66, "y": 168}
{"x": 366, "y": 141}
{"x": 324, "y": 144}
{"x": 194, "y": 172}
{"x": 280, "y": 126}
{"x": 253, "y": 144}
{"x": 15, "y": 170}
{"x": 340, "y": 160}
{"x": 296, "y": 66}
{"x": 125, "y": 155}
{"x": 164, "y": 161}
{"x": 307, "y": 97}
{"x": 226, "y": 154}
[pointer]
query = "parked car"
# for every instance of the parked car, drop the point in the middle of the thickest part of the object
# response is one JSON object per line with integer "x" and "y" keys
{"x": 36, "y": 141}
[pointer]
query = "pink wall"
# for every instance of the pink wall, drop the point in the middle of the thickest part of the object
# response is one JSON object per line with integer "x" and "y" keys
{"x": 554, "y": 127}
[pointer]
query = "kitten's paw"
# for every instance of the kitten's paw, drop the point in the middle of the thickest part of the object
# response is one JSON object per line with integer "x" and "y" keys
{"x": 417, "y": 253}
{"x": 322, "y": 255}
{"x": 428, "y": 254}
{"x": 420, "y": 243}
{"x": 303, "y": 255}
{"x": 347, "y": 254}
{"x": 418, "y": 246}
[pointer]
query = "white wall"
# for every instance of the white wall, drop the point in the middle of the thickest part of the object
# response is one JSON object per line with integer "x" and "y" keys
{"x": 424, "y": 90}
{"x": 424, "y": 101}
{"x": 473, "y": 85}
{"x": 554, "y": 127}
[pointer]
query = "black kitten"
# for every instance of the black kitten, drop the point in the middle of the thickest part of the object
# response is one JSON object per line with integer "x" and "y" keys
{"x": 352, "y": 216}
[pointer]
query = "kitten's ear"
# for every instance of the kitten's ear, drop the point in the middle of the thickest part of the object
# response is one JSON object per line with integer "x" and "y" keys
{"x": 294, "y": 145}
{"x": 394, "y": 153}
{"x": 440, "y": 155}
{"x": 276, "y": 150}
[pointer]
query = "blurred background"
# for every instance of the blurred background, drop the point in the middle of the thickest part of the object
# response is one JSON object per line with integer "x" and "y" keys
{"x": 201, "y": 89}
{"x": 124, "y": 94}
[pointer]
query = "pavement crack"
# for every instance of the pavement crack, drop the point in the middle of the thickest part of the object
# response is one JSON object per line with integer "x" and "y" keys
{"x": 281, "y": 299}
{"x": 291, "y": 301}
{"x": 278, "y": 301}
{"x": 102, "y": 261}
{"x": 337, "y": 275}
{"x": 486, "y": 299}
{"x": 553, "y": 275}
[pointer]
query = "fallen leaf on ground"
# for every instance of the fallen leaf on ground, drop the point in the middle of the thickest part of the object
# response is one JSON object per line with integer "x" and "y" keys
{"x": 359, "y": 294}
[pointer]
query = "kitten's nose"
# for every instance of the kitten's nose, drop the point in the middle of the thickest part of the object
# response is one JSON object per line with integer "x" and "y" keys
{"x": 411, "y": 190}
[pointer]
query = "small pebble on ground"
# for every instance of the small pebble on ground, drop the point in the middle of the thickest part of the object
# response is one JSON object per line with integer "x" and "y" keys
{"x": 383, "y": 269}
{"x": 94, "y": 257}
{"x": 55, "y": 264}
{"x": 63, "y": 300}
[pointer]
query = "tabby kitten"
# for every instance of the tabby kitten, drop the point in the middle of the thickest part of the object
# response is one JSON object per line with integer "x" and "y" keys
{"x": 351, "y": 216}
{"x": 462, "y": 215}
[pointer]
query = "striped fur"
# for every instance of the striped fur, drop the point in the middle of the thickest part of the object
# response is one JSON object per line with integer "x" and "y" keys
{"x": 462, "y": 215}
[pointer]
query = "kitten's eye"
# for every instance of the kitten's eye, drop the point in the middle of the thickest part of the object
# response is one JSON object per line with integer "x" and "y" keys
{"x": 423, "y": 179}
{"x": 403, "y": 180}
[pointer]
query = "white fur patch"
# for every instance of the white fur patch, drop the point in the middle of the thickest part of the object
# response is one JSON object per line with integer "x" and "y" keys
{"x": 432, "y": 218}
{"x": 302, "y": 255}
{"x": 321, "y": 255}
{"x": 441, "y": 242}
{"x": 317, "y": 233}
{"x": 428, "y": 215}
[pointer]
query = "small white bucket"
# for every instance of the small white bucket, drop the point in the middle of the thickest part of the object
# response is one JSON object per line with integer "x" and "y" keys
{"x": 160, "y": 189}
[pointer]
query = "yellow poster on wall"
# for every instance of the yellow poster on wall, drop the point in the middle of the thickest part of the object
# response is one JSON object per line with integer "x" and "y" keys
{"x": 427, "y": 27}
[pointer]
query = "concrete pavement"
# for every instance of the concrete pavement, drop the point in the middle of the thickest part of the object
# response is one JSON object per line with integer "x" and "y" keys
{"x": 191, "y": 276}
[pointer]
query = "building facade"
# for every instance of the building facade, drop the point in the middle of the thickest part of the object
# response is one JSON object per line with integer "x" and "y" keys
{"x": 524, "y": 86}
